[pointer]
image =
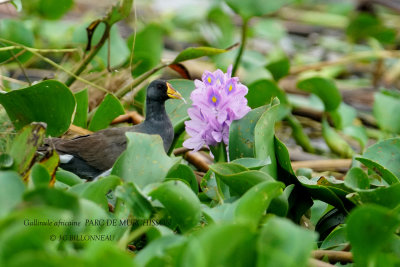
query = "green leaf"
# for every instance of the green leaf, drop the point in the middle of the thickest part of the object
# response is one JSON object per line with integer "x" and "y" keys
{"x": 299, "y": 200}
{"x": 109, "y": 109}
{"x": 217, "y": 16}
{"x": 185, "y": 173}
{"x": 335, "y": 142}
{"x": 11, "y": 191}
{"x": 262, "y": 92}
{"x": 150, "y": 163}
{"x": 251, "y": 8}
{"x": 82, "y": 105}
{"x": 359, "y": 133}
{"x": 24, "y": 146}
{"x": 51, "y": 197}
{"x": 384, "y": 196}
{"x": 177, "y": 109}
{"x": 356, "y": 178}
{"x": 241, "y": 134}
{"x": 336, "y": 240}
{"x": 22, "y": 239}
{"x": 6, "y": 161}
{"x": 326, "y": 194}
{"x": 253, "y": 204}
{"x": 251, "y": 163}
{"x": 324, "y": 88}
{"x": 15, "y": 31}
{"x": 279, "y": 68}
{"x": 68, "y": 178}
{"x": 163, "y": 251}
{"x": 148, "y": 48}
{"x": 220, "y": 245}
{"x": 271, "y": 29}
{"x": 299, "y": 135}
{"x": 140, "y": 206}
{"x": 49, "y": 101}
{"x": 343, "y": 116}
{"x": 282, "y": 243}
{"x": 280, "y": 205}
{"x": 387, "y": 103}
{"x": 96, "y": 191}
{"x": 47, "y": 9}
{"x": 238, "y": 178}
{"x": 264, "y": 137}
{"x": 384, "y": 157}
{"x": 366, "y": 25}
{"x": 180, "y": 202}
{"x": 196, "y": 52}
{"x": 40, "y": 176}
{"x": 372, "y": 225}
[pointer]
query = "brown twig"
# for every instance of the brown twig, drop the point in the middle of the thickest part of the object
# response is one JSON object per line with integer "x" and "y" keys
{"x": 333, "y": 256}
{"x": 79, "y": 130}
{"x": 197, "y": 160}
{"x": 131, "y": 116}
{"x": 323, "y": 165}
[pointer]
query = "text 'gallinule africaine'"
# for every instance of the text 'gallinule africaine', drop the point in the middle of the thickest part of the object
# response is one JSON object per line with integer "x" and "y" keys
{"x": 90, "y": 155}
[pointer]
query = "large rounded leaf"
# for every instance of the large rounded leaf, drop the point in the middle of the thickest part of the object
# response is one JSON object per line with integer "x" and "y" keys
{"x": 220, "y": 245}
{"x": 384, "y": 158}
{"x": 48, "y": 101}
{"x": 386, "y": 104}
{"x": 11, "y": 191}
{"x": 238, "y": 178}
{"x": 96, "y": 191}
{"x": 324, "y": 88}
{"x": 48, "y": 9}
{"x": 264, "y": 133}
{"x": 282, "y": 243}
{"x": 241, "y": 134}
{"x": 144, "y": 161}
{"x": 369, "y": 229}
{"x": 180, "y": 201}
{"x": 253, "y": 204}
{"x": 109, "y": 109}
{"x": 15, "y": 31}
{"x": 251, "y": 8}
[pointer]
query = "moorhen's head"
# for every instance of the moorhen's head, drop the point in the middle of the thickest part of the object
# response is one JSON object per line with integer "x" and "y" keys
{"x": 160, "y": 91}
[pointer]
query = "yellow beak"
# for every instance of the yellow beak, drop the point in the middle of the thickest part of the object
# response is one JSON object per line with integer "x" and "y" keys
{"x": 172, "y": 93}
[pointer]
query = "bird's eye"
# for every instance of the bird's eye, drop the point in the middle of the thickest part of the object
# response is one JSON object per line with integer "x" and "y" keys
{"x": 159, "y": 86}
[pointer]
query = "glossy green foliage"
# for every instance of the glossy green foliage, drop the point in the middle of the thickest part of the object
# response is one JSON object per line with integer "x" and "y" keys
{"x": 180, "y": 202}
{"x": 108, "y": 110}
{"x": 82, "y": 106}
{"x": 47, "y": 8}
{"x": 148, "y": 48}
{"x": 17, "y": 32}
{"x": 383, "y": 157}
{"x": 386, "y": 104}
{"x": 324, "y": 88}
{"x": 252, "y": 8}
{"x": 31, "y": 104}
{"x": 380, "y": 223}
{"x": 145, "y": 151}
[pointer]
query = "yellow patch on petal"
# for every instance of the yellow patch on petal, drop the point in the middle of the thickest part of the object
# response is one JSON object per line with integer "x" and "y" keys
{"x": 209, "y": 79}
{"x": 214, "y": 99}
{"x": 230, "y": 87}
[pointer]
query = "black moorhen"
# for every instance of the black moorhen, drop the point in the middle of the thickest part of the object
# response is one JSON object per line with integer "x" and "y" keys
{"x": 90, "y": 155}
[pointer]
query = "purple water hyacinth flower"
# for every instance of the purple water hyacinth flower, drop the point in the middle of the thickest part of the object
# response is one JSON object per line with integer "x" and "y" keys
{"x": 218, "y": 99}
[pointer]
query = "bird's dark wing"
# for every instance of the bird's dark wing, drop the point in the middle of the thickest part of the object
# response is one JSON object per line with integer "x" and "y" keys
{"x": 98, "y": 150}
